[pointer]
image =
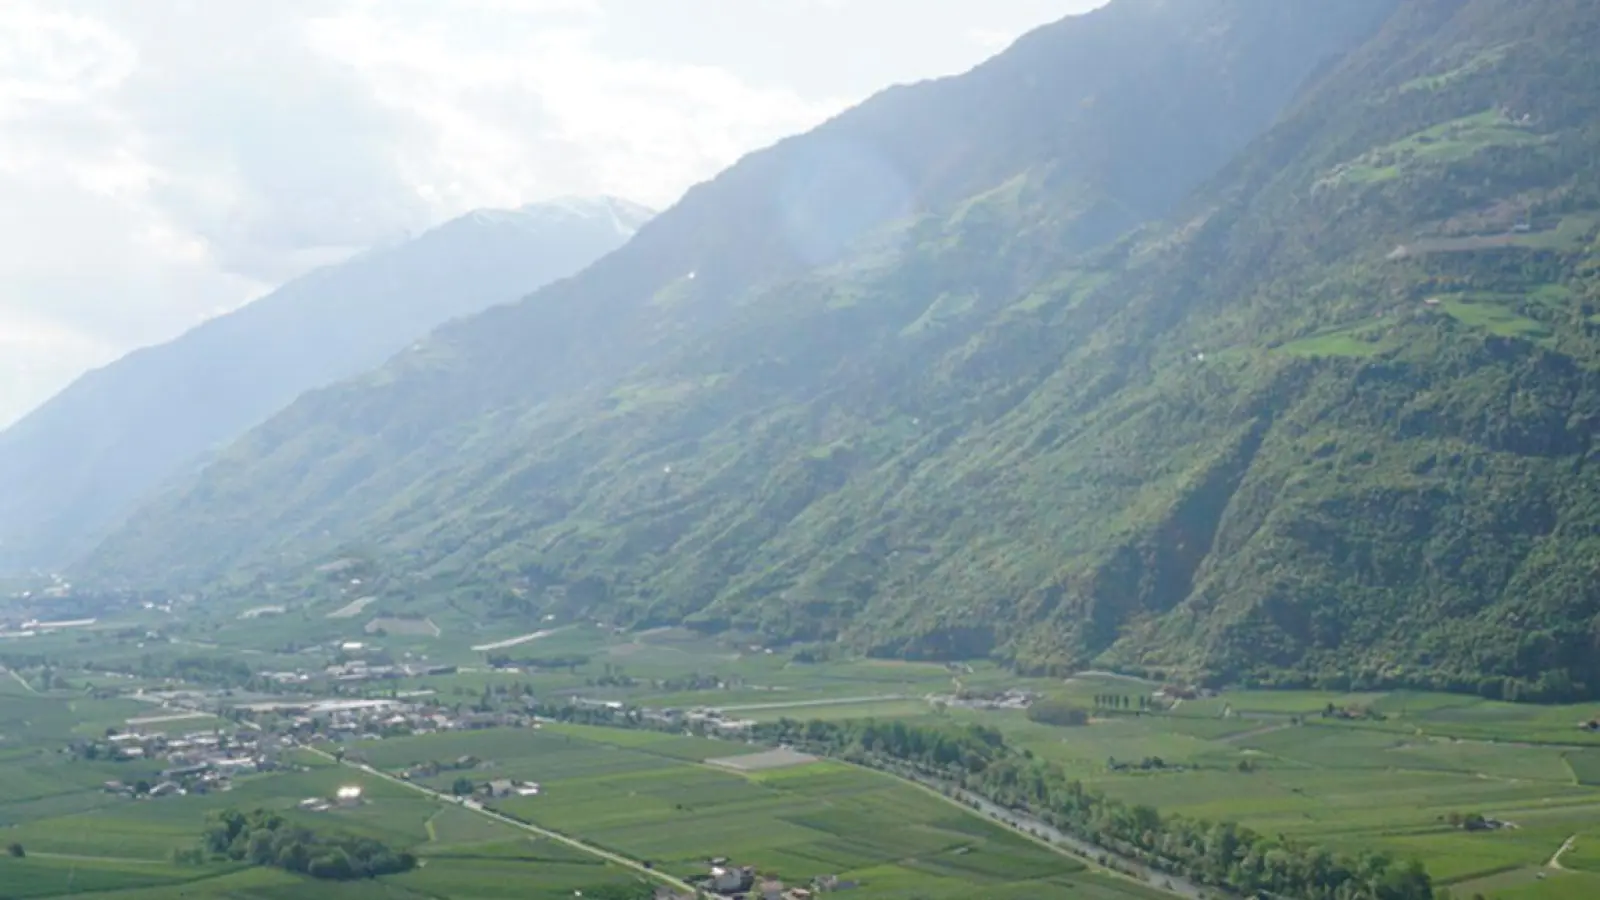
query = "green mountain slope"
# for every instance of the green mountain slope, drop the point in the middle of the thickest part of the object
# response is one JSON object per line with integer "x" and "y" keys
{"x": 1077, "y": 132}
{"x": 73, "y": 468}
{"x": 1267, "y": 441}
{"x": 1330, "y": 423}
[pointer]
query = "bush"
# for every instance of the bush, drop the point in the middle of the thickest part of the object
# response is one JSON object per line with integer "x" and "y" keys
{"x": 1057, "y": 711}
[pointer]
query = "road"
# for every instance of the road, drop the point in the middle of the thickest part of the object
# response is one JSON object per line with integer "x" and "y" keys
{"x": 1033, "y": 828}
{"x": 608, "y": 856}
{"x": 797, "y": 704}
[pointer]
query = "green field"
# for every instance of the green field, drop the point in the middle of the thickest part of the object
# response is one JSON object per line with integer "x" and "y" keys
{"x": 1370, "y": 784}
{"x": 1269, "y": 760}
{"x": 646, "y": 795}
{"x": 80, "y": 840}
{"x": 1389, "y": 785}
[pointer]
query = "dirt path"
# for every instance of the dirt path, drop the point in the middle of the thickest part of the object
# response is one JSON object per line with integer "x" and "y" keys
{"x": 22, "y": 681}
{"x": 800, "y": 704}
{"x": 175, "y": 717}
{"x": 1254, "y": 732}
{"x": 1555, "y": 861}
{"x": 518, "y": 641}
{"x": 79, "y": 857}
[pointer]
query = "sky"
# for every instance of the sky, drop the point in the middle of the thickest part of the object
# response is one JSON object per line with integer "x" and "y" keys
{"x": 164, "y": 161}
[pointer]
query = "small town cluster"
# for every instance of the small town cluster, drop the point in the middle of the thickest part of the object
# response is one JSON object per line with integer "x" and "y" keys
{"x": 744, "y": 883}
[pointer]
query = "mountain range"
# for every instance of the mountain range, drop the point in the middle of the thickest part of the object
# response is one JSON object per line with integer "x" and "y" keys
{"x": 74, "y": 467}
{"x": 1250, "y": 340}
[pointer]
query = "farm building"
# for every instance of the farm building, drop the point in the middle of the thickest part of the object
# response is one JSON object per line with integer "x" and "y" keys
{"x": 505, "y": 787}
{"x": 731, "y": 879}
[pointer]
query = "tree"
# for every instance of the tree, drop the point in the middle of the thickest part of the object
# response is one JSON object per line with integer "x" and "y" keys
{"x": 15, "y": 850}
{"x": 462, "y": 786}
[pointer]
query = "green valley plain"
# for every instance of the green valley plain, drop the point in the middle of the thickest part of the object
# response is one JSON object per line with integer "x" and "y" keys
{"x": 1403, "y": 776}
{"x": 1155, "y": 463}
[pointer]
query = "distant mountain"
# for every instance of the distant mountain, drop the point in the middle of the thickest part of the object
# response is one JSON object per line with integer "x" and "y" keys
{"x": 74, "y": 467}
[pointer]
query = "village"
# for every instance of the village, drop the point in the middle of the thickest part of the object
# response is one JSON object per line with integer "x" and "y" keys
{"x": 745, "y": 883}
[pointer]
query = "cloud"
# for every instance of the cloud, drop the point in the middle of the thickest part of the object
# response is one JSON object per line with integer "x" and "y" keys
{"x": 165, "y": 160}
{"x": 509, "y": 107}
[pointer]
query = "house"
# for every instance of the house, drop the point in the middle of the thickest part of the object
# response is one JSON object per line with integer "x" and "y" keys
{"x": 731, "y": 879}
{"x": 186, "y": 771}
{"x": 166, "y": 789}
{"x": 500, "y": 787}
{"x": 348, "y": 796}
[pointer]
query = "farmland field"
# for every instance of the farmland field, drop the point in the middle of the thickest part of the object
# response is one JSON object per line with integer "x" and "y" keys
{"x": 1274, "y": 762}
{"x": 1393, "y": 780}
{"x": 645, "y": 795}
{"x": 650, "y": 796}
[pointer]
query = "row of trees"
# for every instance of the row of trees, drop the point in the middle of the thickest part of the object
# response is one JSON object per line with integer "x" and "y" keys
{"x": 264, "y": 838}
{"x": 949, "y": 747}
{"x": 1121, "y": 701}
{"x": 1552, "y": 685}
{"x": 1226, "y": 855}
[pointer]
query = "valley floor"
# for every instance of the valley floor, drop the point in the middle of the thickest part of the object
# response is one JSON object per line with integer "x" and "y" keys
{"x": 1398, "y": 772}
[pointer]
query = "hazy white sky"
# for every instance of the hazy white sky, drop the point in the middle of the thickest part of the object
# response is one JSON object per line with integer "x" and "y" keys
{"x": 165, "y": 160}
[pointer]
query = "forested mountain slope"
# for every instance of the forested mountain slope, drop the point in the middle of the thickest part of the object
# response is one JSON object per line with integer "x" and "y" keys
{"x": 1078, "y": 131}
{"x": 1331, "y": 421}
{"x": 74, "y": 467}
